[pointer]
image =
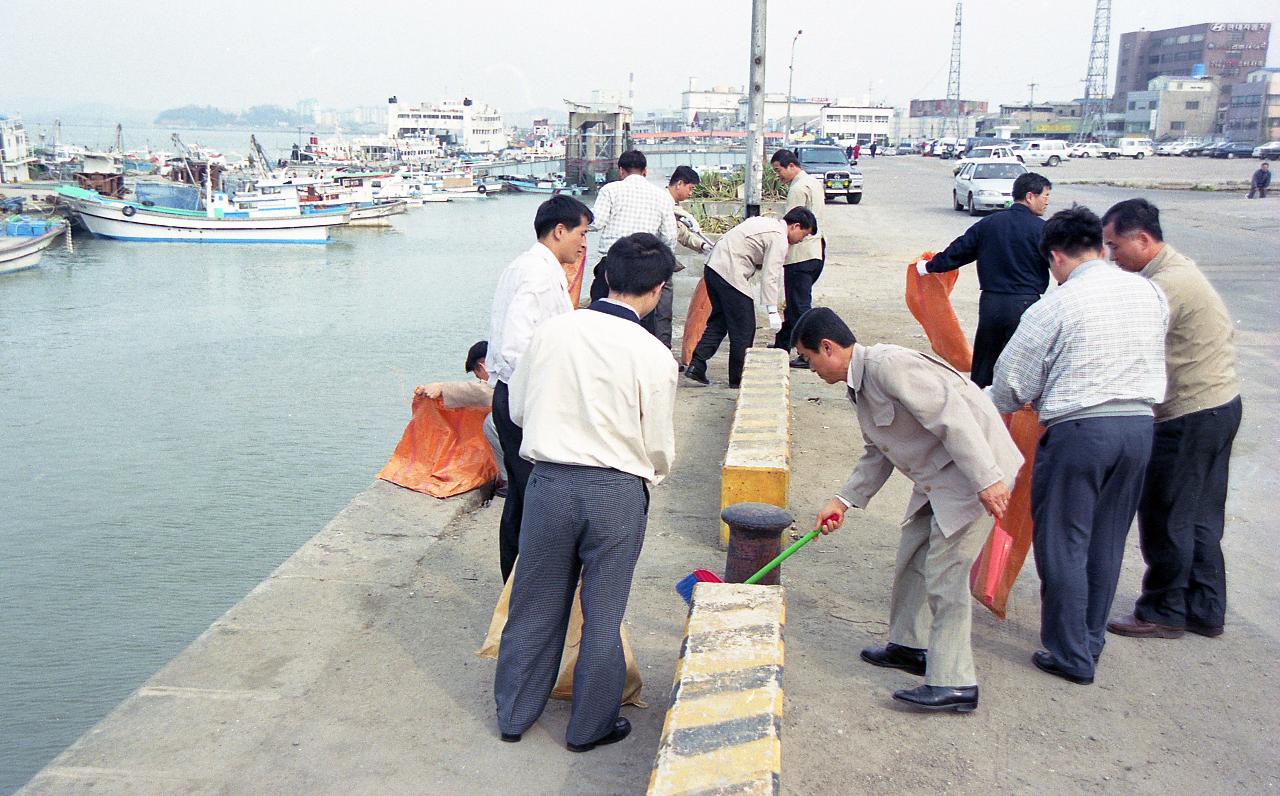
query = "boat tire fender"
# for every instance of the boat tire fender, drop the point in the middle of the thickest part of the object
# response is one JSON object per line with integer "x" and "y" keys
{"x": 128, "y": 210}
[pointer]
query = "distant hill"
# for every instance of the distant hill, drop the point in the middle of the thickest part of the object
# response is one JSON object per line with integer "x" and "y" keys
{"x": 258, "y": 116}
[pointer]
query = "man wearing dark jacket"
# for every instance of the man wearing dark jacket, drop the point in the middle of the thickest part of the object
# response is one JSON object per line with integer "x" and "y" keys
{"x": 1261, "y": 181}
{"x": 1012, "y": 274}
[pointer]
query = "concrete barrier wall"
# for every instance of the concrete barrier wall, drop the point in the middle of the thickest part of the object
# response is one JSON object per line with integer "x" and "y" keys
{"x": 757, "y": 462}
{"x": 722, "y": 733}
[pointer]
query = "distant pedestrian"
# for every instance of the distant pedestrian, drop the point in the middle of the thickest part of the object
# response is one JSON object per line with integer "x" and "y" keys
{"x": 1012, "y": 274}
{"x": 806, "y": 258}
{"x": 759, "y": 244}
{"x": 848, "y": 152}
{"x": 1089, "y": 357}
{"x": 531, "y": 291}
{"x": 596, "y": 396}
{"x": 919, "y": 416}
{"x": 874, "y": 145}
{"x": 627, "y": 206}
{"x": 857, "y": 152}
{"x": 1183, "y": 510}
{"x": 1261, "y": 181}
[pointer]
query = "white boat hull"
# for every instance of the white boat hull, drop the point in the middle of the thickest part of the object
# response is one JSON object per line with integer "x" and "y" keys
{"x": 109, "y": 221}
{"x": 378, "y": 215}
{"x": 18, "y": 254}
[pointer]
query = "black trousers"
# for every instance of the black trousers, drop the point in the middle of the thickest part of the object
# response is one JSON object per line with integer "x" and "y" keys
{"x": 1084, "y": 492}
{"x": 511, "y": 436}
{"x": 732, "y": 313}
{"x": 797, "y": 283}
{"x": 658, "y": 322}
{"x": 1181, "y": 516}
{"x": 998, "y": 317}
{"x": 599, "y": 285}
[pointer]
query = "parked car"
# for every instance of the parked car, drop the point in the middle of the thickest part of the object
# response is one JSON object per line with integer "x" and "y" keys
{"x": 830, "y": 165}
{"x": 1207, "y": 151}
{"x": 998, "y": 154}
{"x": 982, "y": 187}
{"x": 905, "y": 148}
{"x": 1093, "y": 150}
{"x": 1049, "y": 152}
{"x": 1269, "y": 151}
{"x": 1235, "y": 149}
{"x": 1136, "y": 148}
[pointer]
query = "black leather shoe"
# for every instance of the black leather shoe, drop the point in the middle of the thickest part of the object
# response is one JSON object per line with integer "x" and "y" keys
{"x": 1208, "y": 631}
{"x": 937, "y": 697}
{"x": 1045, "y": 663}
{"x": 799, "y": 363}
{"x": 621, "y": 729}
{"x": 511, "y": 737}
{"x": 896, "y": 656}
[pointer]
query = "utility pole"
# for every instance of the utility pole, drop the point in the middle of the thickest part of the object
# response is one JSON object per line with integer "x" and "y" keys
{"x": 1031, "y": 101}
{"x": 1093, "y": 114}
{"x": 953, "y": 81}
{"x": 755, "y": 112}
{"x": 791, "y": 69}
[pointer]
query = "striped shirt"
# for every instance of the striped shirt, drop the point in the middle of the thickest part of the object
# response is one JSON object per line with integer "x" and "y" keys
{"x": 633, "y": 205}
{"x": 1092, "y": 348}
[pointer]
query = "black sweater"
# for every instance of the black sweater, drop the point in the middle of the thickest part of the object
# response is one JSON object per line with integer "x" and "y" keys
{"x": 1007, "y": 248}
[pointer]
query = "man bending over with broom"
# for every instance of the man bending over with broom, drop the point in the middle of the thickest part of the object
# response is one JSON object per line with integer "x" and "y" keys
{"x": 923, "y": 417}
{"x": 595, "y": 395}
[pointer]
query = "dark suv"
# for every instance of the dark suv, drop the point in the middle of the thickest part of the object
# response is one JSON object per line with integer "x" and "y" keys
{"x": 830, "y": 165}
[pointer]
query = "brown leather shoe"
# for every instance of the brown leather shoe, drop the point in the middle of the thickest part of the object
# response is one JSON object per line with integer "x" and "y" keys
{"x": 1134, "y": 627}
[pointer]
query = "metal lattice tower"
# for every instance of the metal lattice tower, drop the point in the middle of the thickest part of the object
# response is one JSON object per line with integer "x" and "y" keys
{"x": 952, "y": 125}
{"x": 1093, "y": 113}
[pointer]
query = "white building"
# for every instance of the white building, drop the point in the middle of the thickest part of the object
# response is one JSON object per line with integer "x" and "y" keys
{"x": 15, "y": 151}
{"x": 858, "y": 124}
{"x": 476, "y": 129}
{"x": 924, "y": 128}
{"x": 805, "y": 111}
{"x": 712, "y": 109}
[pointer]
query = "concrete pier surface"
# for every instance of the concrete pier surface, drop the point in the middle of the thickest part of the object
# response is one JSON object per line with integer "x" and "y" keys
{"x": 351, "y": 669}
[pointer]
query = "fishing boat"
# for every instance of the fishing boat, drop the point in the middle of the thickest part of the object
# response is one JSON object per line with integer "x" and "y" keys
{"x": 121, "y": 220}
{"x": 544, "y": 185}
{"x": 23, "y": 240}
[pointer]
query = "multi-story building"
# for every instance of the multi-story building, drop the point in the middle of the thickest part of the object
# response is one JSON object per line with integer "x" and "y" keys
{"x": 1173, "y": 107}
{"x": 712, "y": 109}
{"x": 860, "y": 124}
{"x": 1226, "y": 50}
{"x": 15, "y": 151}
{"x": 462, "y": 124}
{"x": 1254, "y": 110}
{"x": 929, "y": 118}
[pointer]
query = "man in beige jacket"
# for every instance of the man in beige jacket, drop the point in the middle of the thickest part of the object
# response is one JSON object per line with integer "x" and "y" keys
{"x": 1182, "y": 512}
{"x": 928, "y": 421}
{"x": 805, "y": 259}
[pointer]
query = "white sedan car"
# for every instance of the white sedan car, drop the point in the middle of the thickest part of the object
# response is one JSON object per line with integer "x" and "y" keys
{"x": 987, "y": 154}
{"x": 983, "y": 186}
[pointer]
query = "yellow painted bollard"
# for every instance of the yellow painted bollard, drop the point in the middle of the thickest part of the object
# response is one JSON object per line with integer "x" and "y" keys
{"x": 757, "y": 462}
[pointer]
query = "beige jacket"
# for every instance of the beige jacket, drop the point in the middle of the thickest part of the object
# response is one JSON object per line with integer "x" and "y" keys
{"x": 1199, "y": 357}
{"x": 757, "y": 244}
{"x": 685, "y": 236}
{"x": 806, "y": 191}
{"x": 921, "y": 416}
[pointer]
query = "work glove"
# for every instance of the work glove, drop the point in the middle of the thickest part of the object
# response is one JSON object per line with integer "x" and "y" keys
{"x": 922, "y": 267}
{"x": 775, "y": 319}
{"x": 706, "y": 247}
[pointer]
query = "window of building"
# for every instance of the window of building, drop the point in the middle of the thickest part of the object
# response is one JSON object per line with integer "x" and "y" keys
{"x": 1153, "y": 59}
{"x": 1193, "y": 105}
{"x": 1179, "y": 126}
{"x": 1197, "y": 37}
{"x": 1133, "y": 106}
{"x": 1184, "y": 38}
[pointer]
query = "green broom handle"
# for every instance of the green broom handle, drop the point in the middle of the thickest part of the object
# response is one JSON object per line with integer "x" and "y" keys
{"x": 783, "y": 556}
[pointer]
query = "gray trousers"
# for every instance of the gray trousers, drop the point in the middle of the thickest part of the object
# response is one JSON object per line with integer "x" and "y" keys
{"x": 583, "y": 522}
{"x": 495, "y": 445}
{"x": 658, "y": 322}
{"x": 930, "y": 607}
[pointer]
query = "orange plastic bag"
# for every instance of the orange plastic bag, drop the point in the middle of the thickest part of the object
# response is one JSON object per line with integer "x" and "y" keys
{"x": 695, "y": 321}
{"x": 443, "y": 452}
{"x": 997, "y": 567}
{"x": 573, "y": 274}
{"x": 929, "y": 299}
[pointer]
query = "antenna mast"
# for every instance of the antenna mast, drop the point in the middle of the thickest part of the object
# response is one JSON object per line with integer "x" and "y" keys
{"x": 1093, "y": 119}
{"x": 952, "y": 125}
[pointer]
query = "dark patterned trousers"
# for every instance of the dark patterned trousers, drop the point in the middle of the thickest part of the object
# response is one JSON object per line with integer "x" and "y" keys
{"x": 579, "y": 522}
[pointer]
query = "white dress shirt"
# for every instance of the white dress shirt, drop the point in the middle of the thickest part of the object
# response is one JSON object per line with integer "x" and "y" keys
{"x": 599, "y": 391}
{"x": 757, "y": 244}
{"x": 531, "y": 290}
{"x": 625, "y": 207}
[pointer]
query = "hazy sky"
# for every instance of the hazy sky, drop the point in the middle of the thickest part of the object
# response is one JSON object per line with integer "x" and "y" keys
{"x": 533, "y": 53}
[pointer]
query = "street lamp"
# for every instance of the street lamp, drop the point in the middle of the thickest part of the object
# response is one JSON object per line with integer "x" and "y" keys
{"x": 791, "y": 71}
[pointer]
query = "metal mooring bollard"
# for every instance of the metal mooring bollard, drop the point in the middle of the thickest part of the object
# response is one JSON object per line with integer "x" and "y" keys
{"x": 755, "y": 539}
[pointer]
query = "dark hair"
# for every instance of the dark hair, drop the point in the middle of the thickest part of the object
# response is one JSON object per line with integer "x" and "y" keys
{"x": 784, "y": 158}
{"x": 1134, "y": 215}
{"x": 684, "y": 174}
{"x": 560, "y": 209}
{"x": 1073, "y": 232}
{"x": 632, "y": 160}
{"x": 638, "y": 263}
{"x": 1029, "y": 183}
{"x": 476, "y": 353}
{"x": 804, "y": 217}
{"x": 818, "y": 324}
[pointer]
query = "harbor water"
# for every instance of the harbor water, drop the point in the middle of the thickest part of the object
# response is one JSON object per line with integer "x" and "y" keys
{"x": 179, "y": 418}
